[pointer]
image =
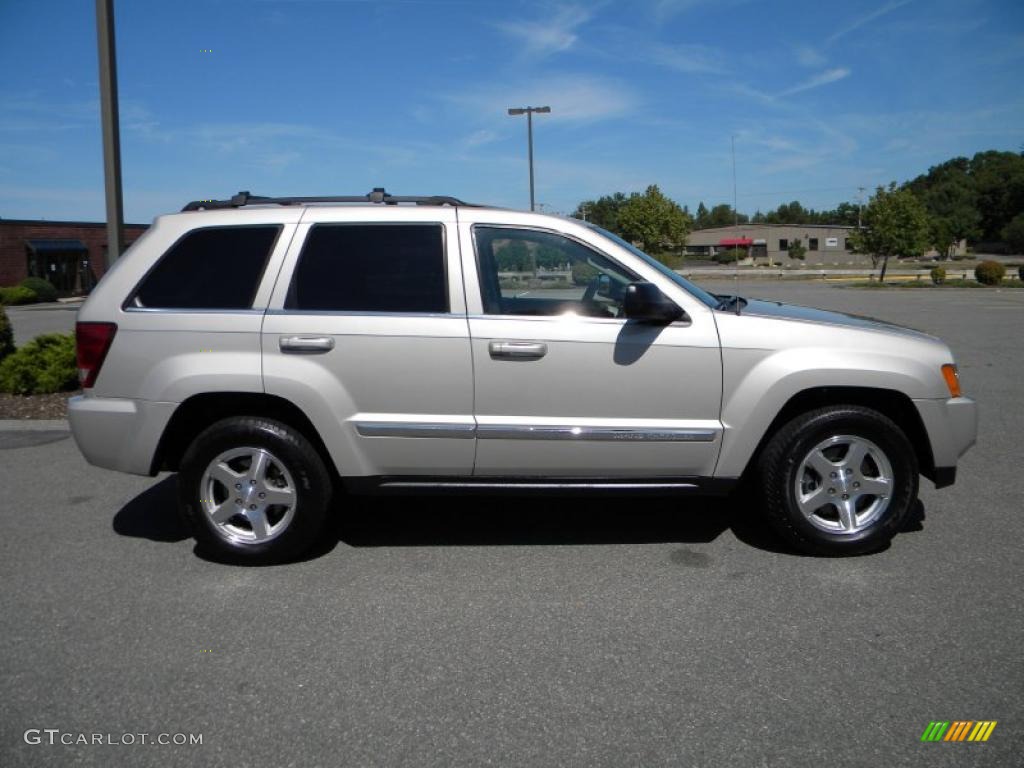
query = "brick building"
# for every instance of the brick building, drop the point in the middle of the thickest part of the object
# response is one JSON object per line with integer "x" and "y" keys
{"x": 70, "y": 254}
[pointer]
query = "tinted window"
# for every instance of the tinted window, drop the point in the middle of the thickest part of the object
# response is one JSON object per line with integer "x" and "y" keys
{"x": 216, "y": 268}
{"x": 371, "y": 268}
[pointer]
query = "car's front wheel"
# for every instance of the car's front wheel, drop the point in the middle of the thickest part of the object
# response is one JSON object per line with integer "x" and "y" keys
{"x": 253, "y": 490}
{"x": 839, "y": 480}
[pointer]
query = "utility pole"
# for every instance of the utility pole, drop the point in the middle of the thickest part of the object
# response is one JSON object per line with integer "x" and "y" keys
{"x": 860, "y": 204}
{"x": 735, "y": 210}
{"x": 111, "y": 131}
{"x": 528, "y": 111}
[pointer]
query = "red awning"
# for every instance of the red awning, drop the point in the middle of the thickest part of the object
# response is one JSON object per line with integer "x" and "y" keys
{"x": 734, "y": 241}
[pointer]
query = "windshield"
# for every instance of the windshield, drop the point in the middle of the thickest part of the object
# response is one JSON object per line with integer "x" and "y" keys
{"x": 674, "y": 276}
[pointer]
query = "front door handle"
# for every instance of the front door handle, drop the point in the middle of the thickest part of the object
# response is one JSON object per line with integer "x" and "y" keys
{"x": 307, "y": 345}
{"x": 517, "y": 350}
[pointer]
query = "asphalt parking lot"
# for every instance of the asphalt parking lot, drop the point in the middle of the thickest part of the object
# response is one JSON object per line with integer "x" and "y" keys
{"x": 32, "y": 320}
{"x": 467, "y": 632}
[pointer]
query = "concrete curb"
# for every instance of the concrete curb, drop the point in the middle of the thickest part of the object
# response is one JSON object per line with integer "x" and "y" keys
{"x": 26, "y": 425}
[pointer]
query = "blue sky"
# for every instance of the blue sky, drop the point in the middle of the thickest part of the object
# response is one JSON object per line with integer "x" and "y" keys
{"x": 302, "y": 97}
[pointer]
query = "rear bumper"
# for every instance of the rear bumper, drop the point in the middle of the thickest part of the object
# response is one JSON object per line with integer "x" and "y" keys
{"x": 118, "y": 434}
{"x": 952, "y": 427}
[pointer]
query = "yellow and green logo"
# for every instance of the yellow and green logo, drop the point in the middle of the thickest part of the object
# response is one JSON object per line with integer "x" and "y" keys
{"x": 958, "y": 730}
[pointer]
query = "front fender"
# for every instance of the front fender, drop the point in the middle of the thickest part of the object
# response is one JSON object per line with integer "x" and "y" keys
{"x": 761, "y": 382}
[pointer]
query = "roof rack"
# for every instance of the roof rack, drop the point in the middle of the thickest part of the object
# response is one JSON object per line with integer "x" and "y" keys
{"x": 378, "y": 195}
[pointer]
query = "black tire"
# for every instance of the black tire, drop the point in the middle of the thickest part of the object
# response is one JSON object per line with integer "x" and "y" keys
{"x": 782, "y": 459}
{"x": 293, "y": 464}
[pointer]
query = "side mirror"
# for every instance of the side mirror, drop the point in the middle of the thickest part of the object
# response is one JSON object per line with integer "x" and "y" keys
{"x": 646, "y": 302}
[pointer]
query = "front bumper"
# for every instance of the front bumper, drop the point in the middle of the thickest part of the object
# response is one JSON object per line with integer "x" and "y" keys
{"x": 952, "y": 427}
{"x": 119, "y": 434}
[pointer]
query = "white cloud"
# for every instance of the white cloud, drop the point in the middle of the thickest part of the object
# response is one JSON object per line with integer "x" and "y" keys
{"x": 809, "y": 57}
{"x": 479, "y": 138}
{"x": 550, "y": 35}
{"x": 663, "y": 10}
{"x": 823, "y": 78}
{"x": 685, "y": 58}
{"x": 571, "y": 98}
{"x": 865, "y": 19}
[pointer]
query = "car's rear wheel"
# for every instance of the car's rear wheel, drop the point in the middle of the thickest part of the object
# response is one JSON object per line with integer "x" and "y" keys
{"x": 839, "y": 480}
{"x": 253, "y": 490}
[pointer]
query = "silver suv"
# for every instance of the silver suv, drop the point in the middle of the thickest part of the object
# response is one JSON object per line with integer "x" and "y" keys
{"x": 277, "y": 351}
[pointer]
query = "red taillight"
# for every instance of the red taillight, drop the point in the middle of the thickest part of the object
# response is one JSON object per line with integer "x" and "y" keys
{"x": 92, "y": 340}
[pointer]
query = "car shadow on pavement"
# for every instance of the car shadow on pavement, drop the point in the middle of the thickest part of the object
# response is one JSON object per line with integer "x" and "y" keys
{"x": 525, "y": 520}
{"x": 415, "y": 521}
{"x": 153, "y": 514}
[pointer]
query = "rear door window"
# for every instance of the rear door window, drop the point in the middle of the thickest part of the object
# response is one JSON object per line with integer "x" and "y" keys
{"x": 212, "y": 268}
{"x": 371, "y": 268}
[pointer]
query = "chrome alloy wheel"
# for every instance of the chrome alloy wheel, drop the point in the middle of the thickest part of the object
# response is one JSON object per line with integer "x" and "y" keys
{"x": 248, "y": 495}
{"x": 844, "y": 484}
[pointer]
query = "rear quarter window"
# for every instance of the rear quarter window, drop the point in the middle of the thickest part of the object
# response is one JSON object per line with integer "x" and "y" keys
{"x": 212, "y": 268}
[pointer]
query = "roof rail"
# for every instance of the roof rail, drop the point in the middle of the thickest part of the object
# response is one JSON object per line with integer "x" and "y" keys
{"x": 378, "y": 195}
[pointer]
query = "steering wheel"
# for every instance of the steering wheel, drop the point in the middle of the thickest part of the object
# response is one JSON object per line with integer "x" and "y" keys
{"x": 591, "y": 292}
{"x": 593, "y": 307}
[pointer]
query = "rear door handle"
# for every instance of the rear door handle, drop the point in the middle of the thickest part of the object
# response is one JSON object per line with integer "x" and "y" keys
{"x": 517, "y": 350}
{"x": 307, "y": 345}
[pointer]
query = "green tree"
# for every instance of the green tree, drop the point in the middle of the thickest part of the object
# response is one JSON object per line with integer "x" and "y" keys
{"x": 655, "y": 220}
{"x": 604, "y": 212}
{"x": 796, "y": 249}
{"x": 952, "y": 201}
{"x": 999, "y": 184}
{"x": 702, "y": 218}
{"x": 514, "y": 256}
{"x": 793, "y": 213}
{"x": 895, "y": 224}
{"x": 723, "y": 216}
{"x": 550, "y": 257}
{"x": 844, "y": 214}
{"x": 1013, "y": 234}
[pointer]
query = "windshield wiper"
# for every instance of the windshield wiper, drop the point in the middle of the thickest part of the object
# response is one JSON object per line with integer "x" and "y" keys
{"x": 727, "y": 300}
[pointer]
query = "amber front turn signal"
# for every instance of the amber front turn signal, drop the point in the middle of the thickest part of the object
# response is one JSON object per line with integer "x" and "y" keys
{"x": 952, "y": 379}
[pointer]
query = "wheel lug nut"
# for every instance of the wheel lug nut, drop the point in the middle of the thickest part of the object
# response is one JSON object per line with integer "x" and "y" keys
{"x": 849, "y": 471}
{"x": 238, "y": 501}
{"x": 263, "y": 495}
{"x": 846, "y": 496}
{"x": 252, "y": 482}
{"x": 832, "y": 491}
{"x": 238, "y": 486}
{"x": 832, "y": 474}
{"x": 252, "y": 506}
{"x": 856, "y": 485}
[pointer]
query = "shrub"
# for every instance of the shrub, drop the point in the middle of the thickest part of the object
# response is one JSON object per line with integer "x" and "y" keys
{"x": 583, "y": 273}
{"x": 730, "y": 255}
{"x": 46, "y": 364}
{"x": 44, "y": 288}
{"x": 17, "y": 294}
{"x": 6, "y": 335}
{"x": 989, "y": 272}
{"x": 796, "y": 249}
{"x": 938, "y": 275}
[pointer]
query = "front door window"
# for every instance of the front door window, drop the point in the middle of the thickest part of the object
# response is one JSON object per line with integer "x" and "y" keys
{"x": 532, "y": 272}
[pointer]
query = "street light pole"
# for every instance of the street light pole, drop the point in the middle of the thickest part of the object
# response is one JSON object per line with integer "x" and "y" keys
{"x": 111, "y": 131}
{"x": 528, "y": 111}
